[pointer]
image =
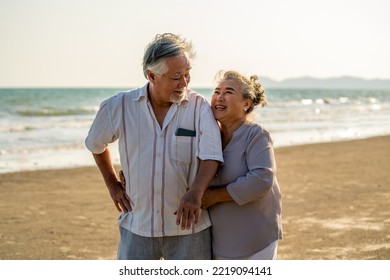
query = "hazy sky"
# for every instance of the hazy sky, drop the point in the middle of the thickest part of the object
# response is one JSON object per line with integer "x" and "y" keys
{"x": 100, "y": 43}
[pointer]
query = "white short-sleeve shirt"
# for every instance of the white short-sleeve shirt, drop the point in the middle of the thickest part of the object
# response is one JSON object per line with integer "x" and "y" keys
{"x": 159, "y": 163}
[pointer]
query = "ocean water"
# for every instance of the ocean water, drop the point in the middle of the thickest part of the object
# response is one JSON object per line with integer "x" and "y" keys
{"x": 46, "y": 128}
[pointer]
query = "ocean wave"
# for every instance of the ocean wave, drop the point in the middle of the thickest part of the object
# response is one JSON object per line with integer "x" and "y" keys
{"x": 43, "y": 126}
{"x": 324, "y": 101}
{"x": 51, "y": 112}
{"x": 63, "y": 147}
{"x": 16, "y": 128}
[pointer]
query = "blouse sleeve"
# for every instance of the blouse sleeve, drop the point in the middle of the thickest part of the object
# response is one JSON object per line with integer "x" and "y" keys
{"x": 261, "y": 170}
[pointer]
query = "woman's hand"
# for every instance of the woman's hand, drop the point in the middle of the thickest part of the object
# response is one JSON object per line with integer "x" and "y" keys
{"x": 208, "y": 199}
{"x": 215, "y": 195}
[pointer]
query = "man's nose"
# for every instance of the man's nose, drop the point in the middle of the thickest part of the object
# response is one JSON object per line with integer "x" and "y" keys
{"x": 183, "y": 82}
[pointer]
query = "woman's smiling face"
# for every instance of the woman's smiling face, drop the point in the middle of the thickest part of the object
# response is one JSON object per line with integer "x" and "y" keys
{"x": 227, "y": 102}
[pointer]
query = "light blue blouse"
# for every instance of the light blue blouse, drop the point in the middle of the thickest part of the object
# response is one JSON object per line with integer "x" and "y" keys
{"x": 253, "y": 220}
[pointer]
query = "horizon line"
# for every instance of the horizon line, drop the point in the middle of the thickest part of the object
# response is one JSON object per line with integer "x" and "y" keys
{"x": 195, "y": 86}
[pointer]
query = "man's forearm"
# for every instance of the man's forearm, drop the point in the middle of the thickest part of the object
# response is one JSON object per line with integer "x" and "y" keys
{"x": 116, "y": 189}
{"x": 104, "y": 163}
{"x": 206, "y": 172}
{"x": 189, "y": 206}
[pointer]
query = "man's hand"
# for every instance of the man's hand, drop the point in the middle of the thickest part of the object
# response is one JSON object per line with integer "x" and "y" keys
{"x": 119, "y": 197}
{"x": 117, "y": 188}
{"x": 188, "y": 211}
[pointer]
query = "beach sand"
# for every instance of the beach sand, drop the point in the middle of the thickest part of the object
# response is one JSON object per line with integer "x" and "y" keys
{"x": 335, "y": 206}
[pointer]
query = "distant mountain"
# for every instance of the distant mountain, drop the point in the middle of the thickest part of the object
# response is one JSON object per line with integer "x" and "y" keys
{"x": 345, "y": 82}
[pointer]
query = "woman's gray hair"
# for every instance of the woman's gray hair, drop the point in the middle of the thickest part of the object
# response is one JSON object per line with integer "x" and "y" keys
{"x": 164, "y": 46}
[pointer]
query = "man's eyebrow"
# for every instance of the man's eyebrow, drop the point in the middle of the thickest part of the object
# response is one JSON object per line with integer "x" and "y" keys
{"x": 178, "y": 74}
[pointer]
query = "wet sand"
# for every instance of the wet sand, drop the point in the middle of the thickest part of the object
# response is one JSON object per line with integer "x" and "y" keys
{"x": 335, "y": 206}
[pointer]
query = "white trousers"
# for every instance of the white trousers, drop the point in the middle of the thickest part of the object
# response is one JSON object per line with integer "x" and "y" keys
{"x": 268, "y": 253}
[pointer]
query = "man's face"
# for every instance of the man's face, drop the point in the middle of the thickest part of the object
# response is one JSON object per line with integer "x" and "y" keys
{"x": 171, "y": 86}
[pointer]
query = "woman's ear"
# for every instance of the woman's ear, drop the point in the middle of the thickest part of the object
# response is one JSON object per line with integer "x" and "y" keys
{"x": 247, "y": 104}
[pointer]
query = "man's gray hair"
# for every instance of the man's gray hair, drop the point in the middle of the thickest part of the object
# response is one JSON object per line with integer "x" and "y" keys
{"x": 164, "y": 46}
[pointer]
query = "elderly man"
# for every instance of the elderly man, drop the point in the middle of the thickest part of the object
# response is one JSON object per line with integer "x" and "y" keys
{"x": 170, "y": 148}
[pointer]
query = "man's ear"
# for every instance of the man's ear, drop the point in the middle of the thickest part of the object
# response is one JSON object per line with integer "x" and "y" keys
{"x": 151, "y": 76}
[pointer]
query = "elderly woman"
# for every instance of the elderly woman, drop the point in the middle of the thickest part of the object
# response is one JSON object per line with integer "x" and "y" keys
{"x": 244, "y": 199}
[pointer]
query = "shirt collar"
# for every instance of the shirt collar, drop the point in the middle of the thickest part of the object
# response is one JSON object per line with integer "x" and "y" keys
{"x": 142, "y": 93}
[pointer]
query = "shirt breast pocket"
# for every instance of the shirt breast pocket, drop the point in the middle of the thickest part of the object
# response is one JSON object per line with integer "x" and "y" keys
{"x": 182, "y": 149}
